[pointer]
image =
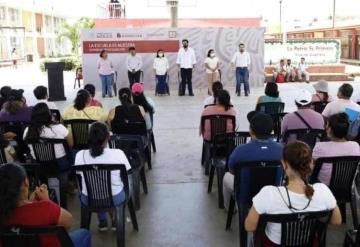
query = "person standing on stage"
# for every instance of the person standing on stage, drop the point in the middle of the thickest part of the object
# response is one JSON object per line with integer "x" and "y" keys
{"x": 161, "y": 67}
{"x": 212, "y": 69}
{"x": 106, "y": 73}
{"x": 133, "y": 64}
{"x": 186, "y": 61}
{"x": 240, "y": 62}
{"x": 14, "y": 58}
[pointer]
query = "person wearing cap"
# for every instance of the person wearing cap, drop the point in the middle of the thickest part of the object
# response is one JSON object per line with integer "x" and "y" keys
{"x": 186, "y": 61}
{"x": 241, "y": 61}
{"x": 305, "y": 116}
{"x": 261, "y": 147}
{"x": 302, "y": 70}
{"x": 146, "y": 102}
{"x": 15, "y": 109}
{"x": 134, "y": 64}
{"x": 322, "y": 92}
{"x": 343, "y": 102}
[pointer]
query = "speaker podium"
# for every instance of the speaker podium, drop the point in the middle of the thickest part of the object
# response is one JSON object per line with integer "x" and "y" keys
{"x": 55, "y": 80}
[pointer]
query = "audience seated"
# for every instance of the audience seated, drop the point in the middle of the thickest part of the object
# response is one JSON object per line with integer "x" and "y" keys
{"x": 210, "y": 100}
{"x": 222, "y": 107}
{"x": 91, "y": 89}
{"x": 19, "y": 207}
{"x": 342, "y": 103}
{"x": 261, "y": 147}
{"x": 82, "y": 108}
{"x": 146, "y": 102}
{"x": 305, "y": 113}
{"x": 322, "y": 92}
{"x": 337, "y": 129}
{"x": 290, "y": 71}
{"x": 295, "y": 196}
{"x": 15, "y": 108}
{"x": 126, "y": 112}
{"x": 279, "y": 69}
{"x": 271, "y": 94}
{"x": 41, "y": 94}
{"x": 4, "y": 91}
{"x": 99, "y": 153}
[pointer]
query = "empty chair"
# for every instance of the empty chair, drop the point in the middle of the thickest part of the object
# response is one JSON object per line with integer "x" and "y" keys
{"x": 309, "y": 136}
{"x": 319, "y": 106}
{"x": 80, "y": 130}
{"x": 270, "y": 107}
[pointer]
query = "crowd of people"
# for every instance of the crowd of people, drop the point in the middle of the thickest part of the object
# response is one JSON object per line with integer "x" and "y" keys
{"x": 285, "y": 71}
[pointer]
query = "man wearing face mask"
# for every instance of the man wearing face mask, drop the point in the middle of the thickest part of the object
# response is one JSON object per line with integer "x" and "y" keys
{"x": 186, "y": 61}
{"x": 240, "y": 62}
{"x": 212, "y": 69}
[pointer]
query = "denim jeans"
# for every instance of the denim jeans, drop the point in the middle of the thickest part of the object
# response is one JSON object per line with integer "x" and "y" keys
{"x": 242, "y": 76}
{"x": 106, "y": 83}
{"x": 81, "y": 238}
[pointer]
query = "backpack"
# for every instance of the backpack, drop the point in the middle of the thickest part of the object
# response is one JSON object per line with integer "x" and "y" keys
{"x": 354, "y": 118}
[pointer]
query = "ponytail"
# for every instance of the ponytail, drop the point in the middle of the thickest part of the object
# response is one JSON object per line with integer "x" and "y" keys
{"x": 98, "y": 134}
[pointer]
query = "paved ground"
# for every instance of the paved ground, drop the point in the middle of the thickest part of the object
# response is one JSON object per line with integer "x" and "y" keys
{"x": 177, "y": 211}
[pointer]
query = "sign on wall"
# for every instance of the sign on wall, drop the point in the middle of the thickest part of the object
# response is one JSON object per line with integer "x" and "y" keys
{"x": 147, "y": 41}
{"x": 314, "y": 51}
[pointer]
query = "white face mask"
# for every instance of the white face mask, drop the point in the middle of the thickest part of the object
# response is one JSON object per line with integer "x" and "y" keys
{"x": 212, "y": 54}
{"x": 161, "y": 54}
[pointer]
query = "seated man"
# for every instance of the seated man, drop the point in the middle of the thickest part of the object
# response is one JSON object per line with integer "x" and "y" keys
{"x": 305, "y": 117}
{"x": 290, "y": 71}
{"x": 261, "y": 147}
{"x": 343, "y": 103}
{"x": 302, "y": 70}
{"x": 41, "y": 94}
{"x": 279, "y": 69}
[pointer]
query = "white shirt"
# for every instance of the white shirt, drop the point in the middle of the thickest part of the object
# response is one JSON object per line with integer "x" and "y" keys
{"x": 302, "y": 67}
{"x": 51, "y": 105}
{"x": 241, "y": 59}
{"x": 161, "y": 65}
{"x": 109, "y": 156}
{"x": 209, "y": 101}
{"x": 186, "y": 58}
{"x": 338, "y": 106}
{"x": 134, "y": 62}
{"x": 280, "y": 68}
{"x": 105, "y": 66}
{"x": 270, "y": 201}
{"x": 212, "y": 63}
{"x": 55, "y": 131}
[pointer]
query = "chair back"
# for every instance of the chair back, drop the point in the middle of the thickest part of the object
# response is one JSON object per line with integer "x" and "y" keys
{"x": 31, "y": 236}
{"x": 297, "y": 229}
{"x": 129, "y": 128}
{"x": 3, "y": 159}
{"x": 277, "y": 118}
{"x": 218, "y": 124}
{"x": 97, "y": 179}
{"x": 55, "y": 114}
{"x": 18, "y": 128}
{"x": 344, "y": 170}
{"x": 309, "y": 136}
{"x": 270, "y": 107}
{"x": 319, "y": 106}
{"x": 80, "y": 132}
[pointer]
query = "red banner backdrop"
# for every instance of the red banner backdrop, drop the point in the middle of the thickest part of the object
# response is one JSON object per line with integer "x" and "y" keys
{"x": 149, "y": 46}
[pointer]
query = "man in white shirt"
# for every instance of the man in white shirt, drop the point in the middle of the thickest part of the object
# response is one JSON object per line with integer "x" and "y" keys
{"x": 302, "y": 70}
{"x": 279, "y": 69}
{"x": 290, "y": 71}
{"x": 133, "y": 64}
{"x": 344, "y": 102}
{"x": 241, "y": 61}
{"x": 186, "y": 61}
{"x": 41, "y": 94}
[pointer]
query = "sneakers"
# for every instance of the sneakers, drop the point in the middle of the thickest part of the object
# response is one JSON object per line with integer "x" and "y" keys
{"x": 103, "y": 226}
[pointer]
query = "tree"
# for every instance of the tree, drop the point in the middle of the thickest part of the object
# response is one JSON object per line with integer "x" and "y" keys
{"x": 72, "y": 32}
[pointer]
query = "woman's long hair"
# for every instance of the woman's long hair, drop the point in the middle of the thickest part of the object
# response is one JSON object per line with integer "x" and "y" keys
{"x": 40, "y": 118}
{"x": 125, "y": 98}
{"x": 12, "y": 106}
{"x": 12, "y": 177}
{"x": 81, "y": 100}
{"x": 98, "y": 133}
{"x": 223, "y": 98}
{"x": 141, "y": 100}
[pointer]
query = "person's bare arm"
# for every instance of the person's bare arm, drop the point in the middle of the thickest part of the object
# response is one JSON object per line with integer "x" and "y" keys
{"x": 252, "y": 220}
{"x": 111, "y": 116}
{"x": 70, "y": 140}
{"x": 65, "y": 219}
{"x": 336, "y": 217}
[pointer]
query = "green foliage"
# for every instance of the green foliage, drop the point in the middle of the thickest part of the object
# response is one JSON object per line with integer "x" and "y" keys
{"x": 72, "y": 32}
{"x": 71, "y": 63}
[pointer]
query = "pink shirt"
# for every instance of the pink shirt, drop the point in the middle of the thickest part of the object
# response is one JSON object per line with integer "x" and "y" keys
{"x": 313, "y": 118}
{"x": 216, "y": 110}
{"x": 333, "y": 149}
{"x": 105, "y": 66}
{"x": 318, "y": 97}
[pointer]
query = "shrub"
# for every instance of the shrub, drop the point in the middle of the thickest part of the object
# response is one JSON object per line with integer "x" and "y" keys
{"x": 71, "y": 63}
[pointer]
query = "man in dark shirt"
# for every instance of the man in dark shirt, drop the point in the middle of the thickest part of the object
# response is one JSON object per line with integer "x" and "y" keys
{"x": 261, "y": 147}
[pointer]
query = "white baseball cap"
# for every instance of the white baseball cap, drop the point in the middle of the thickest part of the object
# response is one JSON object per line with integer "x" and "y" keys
{"x": 304, "y": 98}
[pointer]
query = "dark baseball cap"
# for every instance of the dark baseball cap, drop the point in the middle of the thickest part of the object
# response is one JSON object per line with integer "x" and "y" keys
{"x": 261, "y": 123}
{"x": 15, "y": 94}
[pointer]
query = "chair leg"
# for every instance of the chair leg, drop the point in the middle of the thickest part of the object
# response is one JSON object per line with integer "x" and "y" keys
{"x": 211, "y": 178}
{"x": 148, "y": 156}
{"x": 133, "y": 215}
{"x": 143, "y": 180}
{"x": 203, "y": 154}
{"x": 230, "y": 213}
{"x": 354, "y": 210}
{"x": 136, "y": 190}
{"x": 220, "y": 176}
{"x": 342, "y": 207}
{"x": 120, "y": 225}
{"x": 153, "y": 141}
{"x": 85, "y": 217}
{"x": 242, "y": 232}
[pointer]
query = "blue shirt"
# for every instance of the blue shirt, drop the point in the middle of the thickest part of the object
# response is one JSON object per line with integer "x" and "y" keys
{"x": 255, "y": 150}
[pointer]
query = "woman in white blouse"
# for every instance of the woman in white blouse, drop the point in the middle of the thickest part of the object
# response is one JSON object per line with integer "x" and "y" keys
{"x": 161, "y": 67}
{"x": 212, "y": 69}
{"x": 106, "y": 73}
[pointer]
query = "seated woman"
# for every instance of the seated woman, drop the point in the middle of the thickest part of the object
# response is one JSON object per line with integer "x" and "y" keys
{"x": 17, "y": 209}
{"x": 222, "y": 107}
{"x": 147, "y": 103}
{"x": 295, "y": 196}
{"x": 322, "y": 92}
{"x": 91, "y": 89}
{"x": 271, "y": 94}
{"x": 15, "y": 108}
{"x": 82, "y": 108}
{"x": 126, "y": 112}
{"x": 337, "y": 129}
{"x": 216, "y": 86}
{"x": 99, "y": 153}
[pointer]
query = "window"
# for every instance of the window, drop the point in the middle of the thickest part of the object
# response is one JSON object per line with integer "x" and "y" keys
{"x": 2, "y": 14}
{"x": 48, "y": 24}
{"x": 14, "y": 16}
